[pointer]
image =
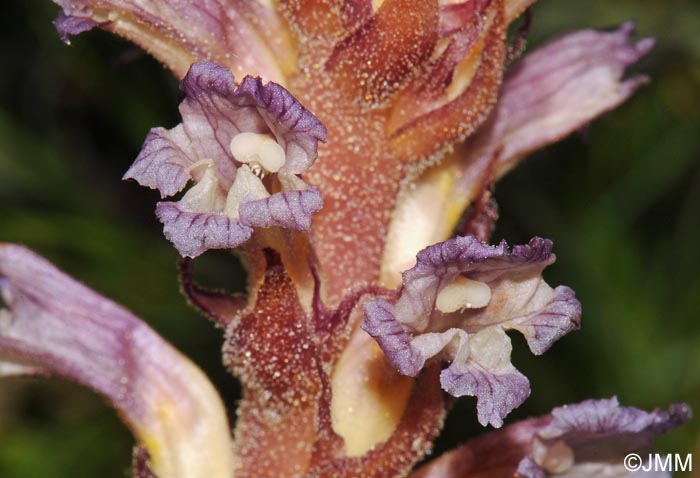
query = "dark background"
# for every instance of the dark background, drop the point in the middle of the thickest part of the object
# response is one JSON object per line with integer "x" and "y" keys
{"x": 621, "y": 200}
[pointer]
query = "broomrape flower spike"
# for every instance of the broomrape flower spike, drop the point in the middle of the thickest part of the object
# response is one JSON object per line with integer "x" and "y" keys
{"x": 355, "y": 324}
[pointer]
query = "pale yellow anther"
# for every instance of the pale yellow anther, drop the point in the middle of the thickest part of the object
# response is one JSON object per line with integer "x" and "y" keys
{"x": 259, "y": 149}
{"x": 246, "y": 187}
{"x": 206, "y": 195}
{"x": 463, "y": 293}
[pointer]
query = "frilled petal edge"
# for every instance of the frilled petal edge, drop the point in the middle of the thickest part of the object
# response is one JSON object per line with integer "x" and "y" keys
{"x": 163, "y": 161}
{"x": 591, "y": 438}
{"x": 559, "y": 315}
{"x": 297, "y": 130}
{"x": 288, "y": 209}
{"x": 588, "y": 439}
{"x": 213, "y": 112}
{"x": 193, "y": 233}
{"x": 498, "y": 392}
{"x": 382, "y": 325}
{"x": 607, "y": 416}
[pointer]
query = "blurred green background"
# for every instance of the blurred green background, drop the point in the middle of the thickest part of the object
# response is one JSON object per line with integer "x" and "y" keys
{"x": 621, "y": 200}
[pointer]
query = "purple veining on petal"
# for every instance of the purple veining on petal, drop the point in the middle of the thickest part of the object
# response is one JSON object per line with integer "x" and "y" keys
{"x": 163, "y": 161}
{"x": 472, "y": 336}
{"x": 210, "y": 121}
{"x": 69, "y": 25}
{"x": 585, "y": 440}
{"x": 381, "y": 324}
{"x": 214, "y": 112}
{"x": 557, "y": 318}
{"x": 177, "y": 32}
{"x": 557, "y": 89}
{"x": 289, "y": 209}
{"x": 211, "y": 116}
{"x": 37, "y": 294}
{"x": 498, "y": 392}
{"x": 607, "y": 416}
{"x": 297, "y": 130}
{"x": 599, "y": 431}
{"x": 56, "y": 325}
{"x": 193, "y": 233}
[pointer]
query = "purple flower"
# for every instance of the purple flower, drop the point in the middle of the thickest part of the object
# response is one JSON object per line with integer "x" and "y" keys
{"x": 54, "y": 325}
{"x": 583, "y": 440}
{"x": 458, "y": 302}
{"x": 245, "y": 147}
{"x": 180, "y": 33}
